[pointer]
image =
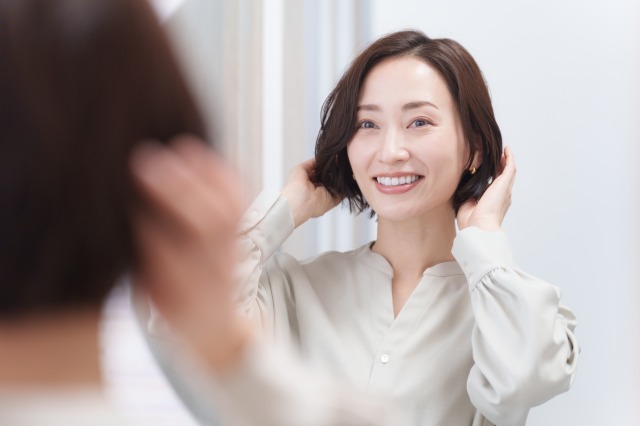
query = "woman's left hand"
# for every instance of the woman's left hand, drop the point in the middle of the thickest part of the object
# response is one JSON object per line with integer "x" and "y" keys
{"x": 488, "y": 212}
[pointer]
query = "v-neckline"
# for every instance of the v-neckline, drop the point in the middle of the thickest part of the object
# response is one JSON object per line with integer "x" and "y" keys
{"x": 418, "y": 298}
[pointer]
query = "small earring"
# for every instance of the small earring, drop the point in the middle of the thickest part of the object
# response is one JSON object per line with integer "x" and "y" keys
{"x": 472, "y": 170}
{"x": 353, "y": 176}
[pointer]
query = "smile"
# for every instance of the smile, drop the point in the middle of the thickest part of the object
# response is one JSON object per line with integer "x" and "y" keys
{"x": 397, "y": 181}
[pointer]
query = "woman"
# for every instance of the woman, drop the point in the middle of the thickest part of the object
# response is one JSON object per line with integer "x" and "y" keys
{"x": 446, "y": 323}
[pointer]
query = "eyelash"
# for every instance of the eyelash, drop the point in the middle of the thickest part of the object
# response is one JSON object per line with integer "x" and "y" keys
{"x": 361, "y": 124}
{"x": 426, "y": 122}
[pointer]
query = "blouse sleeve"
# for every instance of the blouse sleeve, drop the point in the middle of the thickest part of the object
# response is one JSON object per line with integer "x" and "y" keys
{"x": 264, "y": 287}
{"x": 524, "y": 349}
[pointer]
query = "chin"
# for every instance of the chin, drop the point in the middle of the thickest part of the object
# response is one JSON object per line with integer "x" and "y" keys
{"x": 396, "y": 214}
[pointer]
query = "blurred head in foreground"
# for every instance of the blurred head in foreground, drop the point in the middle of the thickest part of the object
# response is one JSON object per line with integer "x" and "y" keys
{"x": 81, "y": 83}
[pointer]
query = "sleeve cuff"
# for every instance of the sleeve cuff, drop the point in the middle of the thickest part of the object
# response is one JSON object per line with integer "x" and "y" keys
{"x": 479, "y": 252}
{"x": 268, "y": 222}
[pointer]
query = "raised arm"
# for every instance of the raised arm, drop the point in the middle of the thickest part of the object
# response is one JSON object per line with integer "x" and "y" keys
{"x": 306, "y": 200}
{"x": 264, "y": 287}
{"x": 523, "y": 344}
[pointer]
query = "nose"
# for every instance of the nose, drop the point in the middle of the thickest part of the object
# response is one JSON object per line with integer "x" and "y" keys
{"x": 393, "y": 147}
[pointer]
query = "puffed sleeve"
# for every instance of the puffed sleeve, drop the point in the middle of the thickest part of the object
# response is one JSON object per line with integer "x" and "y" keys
{"x": 524, "y": 349}
{"x": 263, "y": 293}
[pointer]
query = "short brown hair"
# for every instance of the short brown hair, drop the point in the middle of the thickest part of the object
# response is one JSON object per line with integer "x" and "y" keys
{"x": 466, "y": 85}
{"x": 81, "y": 82}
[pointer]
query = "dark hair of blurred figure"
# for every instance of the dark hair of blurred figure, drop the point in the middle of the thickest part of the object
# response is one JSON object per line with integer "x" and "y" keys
{"x": 81, "y": 82}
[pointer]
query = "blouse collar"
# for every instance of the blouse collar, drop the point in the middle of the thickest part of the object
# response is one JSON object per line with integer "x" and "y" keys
{"x": 380, "y": 263}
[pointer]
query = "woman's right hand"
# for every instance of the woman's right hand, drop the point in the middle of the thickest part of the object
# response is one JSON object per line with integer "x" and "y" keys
{"x": 306, "y": 200}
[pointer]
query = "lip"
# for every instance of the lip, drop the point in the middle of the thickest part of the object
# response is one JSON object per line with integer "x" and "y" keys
{"x": 398, "y": 189}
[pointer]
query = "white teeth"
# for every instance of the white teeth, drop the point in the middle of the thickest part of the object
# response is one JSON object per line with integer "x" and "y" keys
{"x": 402, "y": 180}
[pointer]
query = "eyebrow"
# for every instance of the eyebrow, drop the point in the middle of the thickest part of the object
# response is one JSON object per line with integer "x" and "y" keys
{"x": 418, "y": 104}
{"x": 406, "y": 107}
{"x": 368, "y": 108}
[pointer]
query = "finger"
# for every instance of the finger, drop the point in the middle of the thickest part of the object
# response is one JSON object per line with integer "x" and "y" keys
{"x": 308, "y": 164}
{"x": 509, "y": 169}
{"x": 301, "y": 171}
{"x": 153, "y": 262}
{"x": 309, "y": 167}
{"x": 178, "y": 274}
{"x": 465, "y": 211}
{"x": 510, "y": 161}
{"x": 211, "y": 169}
{"x": 176, "y": 192}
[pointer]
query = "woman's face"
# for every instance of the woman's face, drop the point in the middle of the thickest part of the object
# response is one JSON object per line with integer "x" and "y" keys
{"x": 409, "y": 150}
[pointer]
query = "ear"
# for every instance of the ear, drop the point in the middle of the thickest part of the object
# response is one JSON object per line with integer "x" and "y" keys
{"x": 476, "y": 161}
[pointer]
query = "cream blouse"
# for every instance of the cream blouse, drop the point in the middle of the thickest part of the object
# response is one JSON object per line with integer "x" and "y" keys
{"x": 478, "y": 341}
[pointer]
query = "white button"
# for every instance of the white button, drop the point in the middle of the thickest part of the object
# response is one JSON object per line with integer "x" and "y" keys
{"x": 254, "y": 213}
{"x": 384, "y": 358}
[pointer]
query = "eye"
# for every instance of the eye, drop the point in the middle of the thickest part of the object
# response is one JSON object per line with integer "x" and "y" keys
{"x": 366, "y": 124}
{"x": 420, "y": 122}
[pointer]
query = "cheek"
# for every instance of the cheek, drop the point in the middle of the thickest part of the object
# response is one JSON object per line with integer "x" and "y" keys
{"x": 355, "y": 156}
{"x": 445, "y": 163}
{"x": 452, "y": 153}
{"x": 358, "y": 157}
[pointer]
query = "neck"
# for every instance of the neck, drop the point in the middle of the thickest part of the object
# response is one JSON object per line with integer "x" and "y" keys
{"x": 51, "y": 350}
{"x": 414, "y": 245}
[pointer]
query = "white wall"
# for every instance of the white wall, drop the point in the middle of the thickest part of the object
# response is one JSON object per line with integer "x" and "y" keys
{"x": 564, "y": 77}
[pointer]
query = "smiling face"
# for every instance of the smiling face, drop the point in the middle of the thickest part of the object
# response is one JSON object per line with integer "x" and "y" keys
{"x": 409, "y": 150}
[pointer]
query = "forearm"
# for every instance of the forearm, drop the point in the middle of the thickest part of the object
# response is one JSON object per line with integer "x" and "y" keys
{"x": 265, "y": 226}
{"x": 523, "y": 344}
